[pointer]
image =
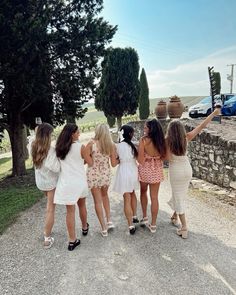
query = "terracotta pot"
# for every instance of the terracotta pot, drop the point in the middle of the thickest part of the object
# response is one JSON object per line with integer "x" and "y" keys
{"x": 161, "y": 110}
{"x": 175, "y": 107}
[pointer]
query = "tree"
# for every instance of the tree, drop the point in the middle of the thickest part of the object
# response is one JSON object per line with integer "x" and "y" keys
{"x": 144, "y": 97}
{"x": 49, "y": 53}
{"x": 217, "y": 79}
{"x": 119, "y": 88}
{"x": 111, "y": 121}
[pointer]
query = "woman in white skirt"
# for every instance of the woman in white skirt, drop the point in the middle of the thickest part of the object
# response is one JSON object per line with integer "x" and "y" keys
{"x": 46, "y": 174}
{"x": 180, "y": 170}
{"x": 126, "y": 180}
{"x": 72, "y": 185}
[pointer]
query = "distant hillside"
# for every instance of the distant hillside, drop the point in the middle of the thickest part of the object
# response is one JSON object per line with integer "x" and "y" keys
{"x": 94, "y": 115}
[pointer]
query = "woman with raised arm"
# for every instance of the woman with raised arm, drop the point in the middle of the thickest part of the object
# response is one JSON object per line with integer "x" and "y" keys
{"x": 180, "y": 170}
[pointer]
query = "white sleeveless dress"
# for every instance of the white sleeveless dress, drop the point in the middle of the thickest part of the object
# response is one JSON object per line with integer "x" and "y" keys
{"x": 126, "y": 178}
{"x": 72, "y": 182}
{"x": 180, "y": 174}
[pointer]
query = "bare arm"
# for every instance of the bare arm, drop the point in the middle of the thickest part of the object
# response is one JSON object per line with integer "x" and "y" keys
{"x": 190, "y": 135}
{"x": 86, "y": 154}
{"x": 141, "y": 151}
{"x": 114, "y": 157}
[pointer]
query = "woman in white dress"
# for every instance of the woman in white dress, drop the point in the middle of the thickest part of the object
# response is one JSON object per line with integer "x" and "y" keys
{"x": 46, "y": 174}
{"x": 126, "y": 179}
{"x": 180, "y": 170}
{"x": 72, "y": 185}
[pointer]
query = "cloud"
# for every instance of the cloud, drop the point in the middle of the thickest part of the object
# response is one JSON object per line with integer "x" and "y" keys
{"x": 192, "y": 78}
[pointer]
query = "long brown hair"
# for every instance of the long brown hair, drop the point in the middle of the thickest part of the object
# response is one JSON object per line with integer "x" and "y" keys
{"x": 176, "y": 138}
{"x": 41, "y": 144}
{"x": 157, "y": 136}
{"x": 65, "y": 140}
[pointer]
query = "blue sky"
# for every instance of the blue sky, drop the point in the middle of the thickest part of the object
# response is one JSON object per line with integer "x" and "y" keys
{"x": 176, "y": 40}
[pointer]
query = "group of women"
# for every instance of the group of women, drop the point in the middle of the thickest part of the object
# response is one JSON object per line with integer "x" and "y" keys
{"x": 61, "y": 175}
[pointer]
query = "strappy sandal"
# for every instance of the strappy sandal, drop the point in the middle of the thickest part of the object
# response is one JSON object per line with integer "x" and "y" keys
{"x": 152, "y": 228}
{"x": 135, "y": 219}
{"x": 110, "y": 225}
{"x": 85, "y": 231}
{"x": 73, "y": 245}
{"x": 48, "y": 242}
{"x": 104, "y": 233}
{"x": 144, "y": 221}
{"x": 182, "y": 233}
{"x": 132, "y": 229}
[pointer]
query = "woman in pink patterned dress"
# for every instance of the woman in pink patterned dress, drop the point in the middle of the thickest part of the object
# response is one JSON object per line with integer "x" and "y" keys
{"x": 102, "y": 150}
{"x": 152, "y": 150}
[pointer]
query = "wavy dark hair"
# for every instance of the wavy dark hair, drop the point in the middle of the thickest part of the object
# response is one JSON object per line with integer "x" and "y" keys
{"x": 176, "y": 138}
{"x": 64, "y": 140}
{"x": 128, "y": 132}
{"x": 157, "y": 136}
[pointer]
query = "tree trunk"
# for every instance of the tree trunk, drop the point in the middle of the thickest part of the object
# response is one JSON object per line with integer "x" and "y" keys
{"x": 70, "y": 119}
{"x": 25, "y": 142}
{"x": 16, "y": 134}
{"x": 119, "y": 122}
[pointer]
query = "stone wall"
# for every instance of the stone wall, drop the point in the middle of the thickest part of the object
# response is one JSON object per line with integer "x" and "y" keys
{"x": 212, "y": 157}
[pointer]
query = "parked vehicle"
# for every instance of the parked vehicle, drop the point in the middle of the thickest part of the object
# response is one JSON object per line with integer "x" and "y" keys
{"x": 201, "y": 109}
{"x": 204, "y": 107}
{"x": 229, "y": 107}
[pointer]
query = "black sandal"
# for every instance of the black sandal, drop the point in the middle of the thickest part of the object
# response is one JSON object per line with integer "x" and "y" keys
{"x": 74, "y": 244}
{"x": 85, "y": 231}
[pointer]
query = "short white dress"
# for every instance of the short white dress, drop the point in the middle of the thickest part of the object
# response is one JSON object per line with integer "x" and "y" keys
{"x": 47, "y": 175}
{"x": 72, "y": 182}
{"x": 180, "y": 174}
{"x": 126, "y": 178}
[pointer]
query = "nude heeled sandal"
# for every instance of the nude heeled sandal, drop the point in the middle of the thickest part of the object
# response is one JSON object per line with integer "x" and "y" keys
{"x": 182, "y": 233}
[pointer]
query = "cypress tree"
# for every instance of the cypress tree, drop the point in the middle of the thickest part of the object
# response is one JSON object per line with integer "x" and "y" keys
{"x": 144, "y": 97}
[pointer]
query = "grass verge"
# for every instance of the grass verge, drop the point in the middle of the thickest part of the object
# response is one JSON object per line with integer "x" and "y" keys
{"x": 16, "y": 194}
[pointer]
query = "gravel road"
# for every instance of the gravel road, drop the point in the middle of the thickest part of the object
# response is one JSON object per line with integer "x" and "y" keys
{"x": 145, "y": 263}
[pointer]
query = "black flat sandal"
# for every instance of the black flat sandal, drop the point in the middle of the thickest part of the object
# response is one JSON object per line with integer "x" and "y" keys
{"x": 85, "y": 231}
{"x": 74, "y": 244}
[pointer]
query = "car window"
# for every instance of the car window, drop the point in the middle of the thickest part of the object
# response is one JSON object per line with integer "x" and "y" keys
{"x": 228, "y": 96}
{"x": 232, "y": 99}
{"x": 206, "y": 100}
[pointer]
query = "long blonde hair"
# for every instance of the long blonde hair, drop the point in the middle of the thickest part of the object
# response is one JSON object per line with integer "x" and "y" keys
{"x": 103, "y": 136}
{"x": 176, "y": 138}
{"x": 41, "y": 144}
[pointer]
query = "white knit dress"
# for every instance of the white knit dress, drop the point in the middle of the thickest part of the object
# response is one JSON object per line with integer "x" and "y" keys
{"x": 180, "y": 174}
{"x": 72, "y": 182}
{"x": 126, "y": 179}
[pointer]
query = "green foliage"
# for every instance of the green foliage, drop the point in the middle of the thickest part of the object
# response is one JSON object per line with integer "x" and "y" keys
{"x": 144, "y": 97}
{"x": 111, "y": 121}
{"x": 118, "y": 91}
{"x": 217, "y": 79}
{"x": 49, "y": 53}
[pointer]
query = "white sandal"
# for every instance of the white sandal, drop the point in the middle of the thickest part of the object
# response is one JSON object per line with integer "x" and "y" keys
{"x": 48, "y": 242}
{"x": 104, "y": 233}
{"x": 152, "y": 228}
{"x": 144, "y": 221}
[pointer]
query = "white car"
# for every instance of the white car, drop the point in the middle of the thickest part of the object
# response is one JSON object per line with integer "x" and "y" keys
{"x": 201, "y": 109}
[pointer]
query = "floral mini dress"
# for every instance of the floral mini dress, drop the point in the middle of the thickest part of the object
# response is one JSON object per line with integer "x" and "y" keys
{"x": 99, "y": 174}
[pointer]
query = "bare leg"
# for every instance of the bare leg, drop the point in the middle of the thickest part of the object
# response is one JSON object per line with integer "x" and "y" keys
{"x": 70, "y": 222}
{"x": 97, "y": 197}
{"x": 50, "y": 213}
{"x": 174, "y": 216}
{"x": 128, "y": 208}
{"x": 183, "y": 221}
{"x": 154, "y": 188}
{"x": 106, "y": 202}
{"x": 134, "y": 203}
{"x": 82, "y": 212}
{"x": 143, "y": 197}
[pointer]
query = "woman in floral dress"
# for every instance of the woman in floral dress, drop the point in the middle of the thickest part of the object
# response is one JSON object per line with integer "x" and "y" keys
{"x": 102, "y": 151}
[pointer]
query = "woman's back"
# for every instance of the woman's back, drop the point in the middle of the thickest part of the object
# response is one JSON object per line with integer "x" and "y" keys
{"x": 149, "y": 148}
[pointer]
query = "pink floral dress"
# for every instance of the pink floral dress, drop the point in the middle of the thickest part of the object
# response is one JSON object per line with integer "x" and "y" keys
{"x": 99, "y": 174}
